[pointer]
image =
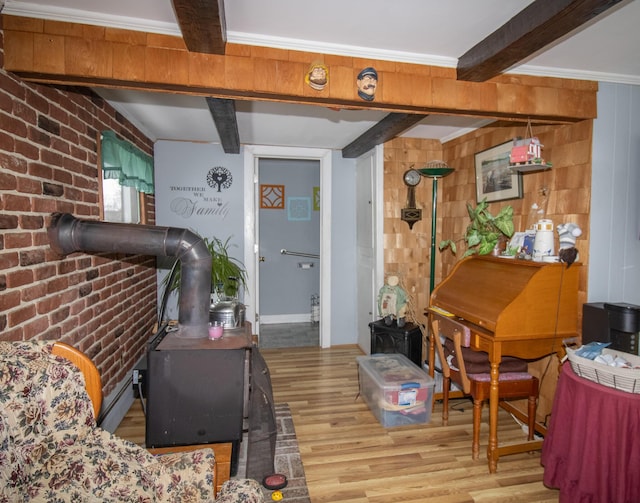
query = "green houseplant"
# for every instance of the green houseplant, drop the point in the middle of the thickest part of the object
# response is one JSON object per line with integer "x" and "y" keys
{"x": 484, "y": 230}
{"x": 227, "y": 273}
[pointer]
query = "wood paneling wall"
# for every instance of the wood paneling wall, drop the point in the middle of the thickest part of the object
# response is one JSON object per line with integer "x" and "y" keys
{"x": 66, "y": 53}
{"x": 407, "y": 251}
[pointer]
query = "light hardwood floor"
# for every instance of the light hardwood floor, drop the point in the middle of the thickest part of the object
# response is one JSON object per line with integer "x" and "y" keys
{"x": 349, "y": 457}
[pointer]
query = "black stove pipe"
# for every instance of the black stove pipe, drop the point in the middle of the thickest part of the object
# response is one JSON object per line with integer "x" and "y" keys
{"x": 68, "y": 234}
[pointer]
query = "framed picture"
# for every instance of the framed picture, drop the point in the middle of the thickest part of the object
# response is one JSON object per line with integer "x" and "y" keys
{"x": 298, "y": 209}
{"x": 494, "y": 179}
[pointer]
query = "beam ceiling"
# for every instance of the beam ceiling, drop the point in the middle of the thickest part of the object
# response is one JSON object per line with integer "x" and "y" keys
{"x": 223, "y": 112}
{"x": 157, "y": 68}
{"x": 202, "y": 25}
{"x": 387, "y": 129}
{"x": 538, "y": 25}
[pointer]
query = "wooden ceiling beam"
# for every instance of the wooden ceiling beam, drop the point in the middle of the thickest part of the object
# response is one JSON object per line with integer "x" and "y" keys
{"x": 539, "y": 24}
{"x": 153, "y": 64}
{"x": 223, "y": 112}
{"x": 387, "y": 129}
{"x": 202, "y": 24}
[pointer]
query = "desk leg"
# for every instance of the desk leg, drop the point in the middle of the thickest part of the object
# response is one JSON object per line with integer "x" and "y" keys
{"x": 494, "y": 398}
{"x": 431, "y": 357}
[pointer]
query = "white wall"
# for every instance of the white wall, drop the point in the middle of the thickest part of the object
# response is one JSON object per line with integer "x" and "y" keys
{"x": 614, "y": 254}
{"x": 186, "y": 198}
{"x": 343, "y": 251}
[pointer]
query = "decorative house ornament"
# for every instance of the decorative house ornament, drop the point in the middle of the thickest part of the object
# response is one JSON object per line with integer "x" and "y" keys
{"x": 317, "y": 77}
{"x": 526, "y": 154}
{"x": 367, "y": 83}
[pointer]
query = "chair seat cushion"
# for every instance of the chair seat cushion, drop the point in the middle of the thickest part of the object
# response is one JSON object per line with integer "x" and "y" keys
{"x": 477, "y": 362}
{"x": 503, "y": 376}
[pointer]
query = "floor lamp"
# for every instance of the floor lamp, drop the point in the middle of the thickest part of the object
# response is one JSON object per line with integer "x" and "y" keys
{"x": 434, "y": 170}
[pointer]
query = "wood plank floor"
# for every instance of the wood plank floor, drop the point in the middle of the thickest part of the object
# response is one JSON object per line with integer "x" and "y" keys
{"x": 349, "y": 457}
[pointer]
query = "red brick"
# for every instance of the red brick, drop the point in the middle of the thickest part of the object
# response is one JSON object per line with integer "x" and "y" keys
{"x": 57, "y": 285}
{"x": 33, "y": 292}
{"x": 9, "y": 221}
{"x": 25, "y": 113}
{"x": 31, "y": 257}
{"x": 8, "y": 181}
{"x": 19, "y": 278}
{"x": 14, "y": 202}
{"x": 59, "y": 315}
{"x": 12, "y": 125}
{"x": 9, "y": 300}
{"x": 31, "y": 222}
{"x": 29, "y": 186}
{"x": 9, "y": 260}
{"x": 21, "y": 315}
{"x": 26, "y": 149}
{"x": 17, "y": 240}
{"x": 40, "y": 328}
{"x": 40, "y": 170}
{"x": 12, "y": 163}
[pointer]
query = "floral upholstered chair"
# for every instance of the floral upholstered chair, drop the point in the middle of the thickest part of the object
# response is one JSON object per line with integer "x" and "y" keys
{"x": 52, "y": 450}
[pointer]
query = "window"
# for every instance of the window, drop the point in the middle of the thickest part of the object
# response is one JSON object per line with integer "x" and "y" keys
{"x": 121, "y": 204}
{"x": 126, "y": 175}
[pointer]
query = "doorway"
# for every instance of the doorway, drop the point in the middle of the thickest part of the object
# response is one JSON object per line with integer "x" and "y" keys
{"x": 288, "y": 234}
{"x": 252, "y": 157}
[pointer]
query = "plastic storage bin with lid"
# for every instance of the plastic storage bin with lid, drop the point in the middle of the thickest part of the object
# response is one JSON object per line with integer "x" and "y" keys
{"x": 397, "y": 391}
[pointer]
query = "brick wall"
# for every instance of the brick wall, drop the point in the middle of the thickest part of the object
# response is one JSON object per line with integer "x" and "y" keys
{"x": 103, "y": 304}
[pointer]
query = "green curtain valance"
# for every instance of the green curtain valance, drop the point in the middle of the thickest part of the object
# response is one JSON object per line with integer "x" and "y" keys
{"x": 126, "y": 163}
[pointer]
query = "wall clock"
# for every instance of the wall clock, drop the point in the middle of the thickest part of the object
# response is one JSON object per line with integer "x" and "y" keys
{"x": 410, "y": 213}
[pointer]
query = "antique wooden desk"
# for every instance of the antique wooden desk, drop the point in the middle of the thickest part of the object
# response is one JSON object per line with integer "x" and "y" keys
{"x": 506, "y": 307}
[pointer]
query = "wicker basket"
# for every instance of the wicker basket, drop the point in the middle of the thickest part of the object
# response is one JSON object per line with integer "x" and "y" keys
{"x": 622, "y": 379}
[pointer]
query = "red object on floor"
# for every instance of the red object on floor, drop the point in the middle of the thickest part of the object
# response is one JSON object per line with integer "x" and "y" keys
{"x": 275, "y": 481}
{"x": 592, "y": 448}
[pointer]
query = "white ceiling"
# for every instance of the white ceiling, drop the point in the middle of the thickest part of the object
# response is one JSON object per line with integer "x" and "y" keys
{"x": 433, "y": 32}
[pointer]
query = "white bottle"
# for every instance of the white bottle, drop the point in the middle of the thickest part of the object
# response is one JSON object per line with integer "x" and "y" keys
{"x": 543, "y": 244}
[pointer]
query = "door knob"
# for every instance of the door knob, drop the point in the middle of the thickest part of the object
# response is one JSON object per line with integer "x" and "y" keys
{"x": 261, "y": 259}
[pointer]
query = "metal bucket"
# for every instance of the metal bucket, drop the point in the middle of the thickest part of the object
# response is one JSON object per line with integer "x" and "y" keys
{"x": 230, "y": 313}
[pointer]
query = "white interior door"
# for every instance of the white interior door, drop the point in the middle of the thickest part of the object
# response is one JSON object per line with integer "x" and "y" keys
{"x": 368, "y": 242}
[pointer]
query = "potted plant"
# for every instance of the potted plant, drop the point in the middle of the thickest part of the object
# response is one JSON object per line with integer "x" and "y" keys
{"x": 485, "y": 231}
{"x": 227, "y": 273}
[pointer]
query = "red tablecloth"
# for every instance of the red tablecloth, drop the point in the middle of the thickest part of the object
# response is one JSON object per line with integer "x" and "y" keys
{"x": 592, "y": 448}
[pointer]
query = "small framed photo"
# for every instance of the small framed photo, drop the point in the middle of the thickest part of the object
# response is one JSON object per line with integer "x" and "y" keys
{"x": 495, "y": 181}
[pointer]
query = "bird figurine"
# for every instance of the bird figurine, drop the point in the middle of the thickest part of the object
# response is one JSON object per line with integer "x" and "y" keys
{"x": 568, "y": 255}
{"x": 568, "y": 232}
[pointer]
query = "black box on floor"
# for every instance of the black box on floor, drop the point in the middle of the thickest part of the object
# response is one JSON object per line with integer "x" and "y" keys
{"x": 406, "y": 340}
{"x": 617, "y": 323}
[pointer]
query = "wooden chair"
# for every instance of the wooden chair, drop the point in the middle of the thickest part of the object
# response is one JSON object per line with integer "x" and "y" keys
{"x": 93, "y": 383}
{"x": 511, "y": 385}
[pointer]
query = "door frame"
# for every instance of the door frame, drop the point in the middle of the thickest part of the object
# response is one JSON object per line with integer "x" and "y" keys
{"x": 252, "y": 154}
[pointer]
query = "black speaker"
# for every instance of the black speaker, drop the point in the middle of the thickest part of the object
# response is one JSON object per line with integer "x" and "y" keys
{"x": 617, "y": 323}
{"x": 406, "y": 340}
